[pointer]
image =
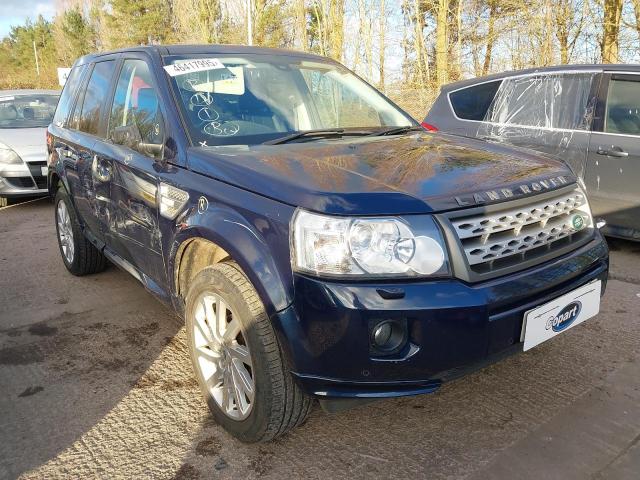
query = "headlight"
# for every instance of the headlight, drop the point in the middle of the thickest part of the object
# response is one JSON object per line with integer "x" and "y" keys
{"x": 367, "y": 247}
{"x": 7, "y": 155}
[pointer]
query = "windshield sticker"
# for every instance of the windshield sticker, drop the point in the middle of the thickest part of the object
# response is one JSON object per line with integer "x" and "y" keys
{"x": 231, "y": 82}
{"x": 193, "y": 65}
{"x": 7, "y": 99}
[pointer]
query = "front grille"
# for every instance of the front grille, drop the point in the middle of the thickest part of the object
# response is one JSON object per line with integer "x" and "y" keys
{"x": 19, "y": 182}
{"x": 35, "y": 168}
{"x": 41, "y": 182}
{"x": 509, "y": 236}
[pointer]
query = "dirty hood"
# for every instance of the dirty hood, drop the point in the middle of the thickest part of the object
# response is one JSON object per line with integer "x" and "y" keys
{"x": 29, "y": 143}
{"x": 417, "y": 173}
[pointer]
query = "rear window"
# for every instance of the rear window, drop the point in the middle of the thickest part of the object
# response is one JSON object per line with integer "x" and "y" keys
{"x": 27, "y": 111}
{"x": 472, "y": 103}
{"x": 68, "y": 93}
{"x": 95, "y": 97}
{"x": 548, "y": 101}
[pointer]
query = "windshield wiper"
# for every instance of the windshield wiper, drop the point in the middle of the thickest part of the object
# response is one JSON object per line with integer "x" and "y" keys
{"x": 320, "y": 133}
{"x": 397, "y": 130}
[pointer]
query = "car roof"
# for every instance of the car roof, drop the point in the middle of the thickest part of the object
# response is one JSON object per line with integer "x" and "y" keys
{"x": 556, "y": 68}
{"x": 5, "y": 93}
{"x": 204, "y": 49}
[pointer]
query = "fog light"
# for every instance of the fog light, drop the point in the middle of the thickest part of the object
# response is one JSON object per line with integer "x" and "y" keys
{"x": 382, "y": 334}
{"x": 388, "y": 336}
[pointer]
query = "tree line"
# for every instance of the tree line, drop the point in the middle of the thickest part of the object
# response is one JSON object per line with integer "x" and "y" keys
{"x": 408, "y": 48}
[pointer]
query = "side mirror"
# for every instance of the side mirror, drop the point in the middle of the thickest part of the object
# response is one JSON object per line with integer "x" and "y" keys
{"x": 130, "y": 136}
{"x": 127, "y": 135}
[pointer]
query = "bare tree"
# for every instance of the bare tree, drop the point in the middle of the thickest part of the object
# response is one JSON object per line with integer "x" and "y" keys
{"x": 569, "y": 18}
{"x": 301, "y": 24}
{"x": 382, "y": 27}
{"x": 442, "y": 41}
{"x": 611, "y": 30}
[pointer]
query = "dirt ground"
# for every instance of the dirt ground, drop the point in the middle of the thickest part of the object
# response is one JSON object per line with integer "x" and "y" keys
{"x": 95, "y": 382}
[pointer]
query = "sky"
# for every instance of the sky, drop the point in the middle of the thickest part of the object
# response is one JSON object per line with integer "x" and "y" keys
{"x": 16, "y": 12}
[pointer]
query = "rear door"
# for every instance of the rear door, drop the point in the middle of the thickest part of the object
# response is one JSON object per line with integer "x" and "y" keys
{"x": 613, "y": 167}
{"x": 89, "y": 183}
{"x": 134, "y": 148}
{"x": 550, "y": 113}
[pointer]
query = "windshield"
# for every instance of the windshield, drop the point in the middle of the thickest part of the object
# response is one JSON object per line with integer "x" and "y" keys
{"x": 251, "y": 99}
{"x": 27, "y": 111}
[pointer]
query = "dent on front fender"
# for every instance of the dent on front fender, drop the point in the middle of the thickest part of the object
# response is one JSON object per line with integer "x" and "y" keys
{"x": 258, "y": 243}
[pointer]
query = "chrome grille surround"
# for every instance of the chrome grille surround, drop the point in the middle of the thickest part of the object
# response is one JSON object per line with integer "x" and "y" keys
{"x": 510, "y": 233}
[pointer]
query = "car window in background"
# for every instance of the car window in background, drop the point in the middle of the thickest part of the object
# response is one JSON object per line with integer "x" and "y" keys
{"x": 27, "y": 111}
{"x": 68, "y": 93}
{"x": 251, "y": 99}
{"x": 623, "y": 107}
{"x": 472, "y": 103}
{"x": 135, "y": 119}
{"x": 548, "y": 101}
{"x": 95, "y": 97}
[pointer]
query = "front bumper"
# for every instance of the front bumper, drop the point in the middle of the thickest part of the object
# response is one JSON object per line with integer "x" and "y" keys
{"x": 456, "y": 326}
{"x": 23, "y": 179}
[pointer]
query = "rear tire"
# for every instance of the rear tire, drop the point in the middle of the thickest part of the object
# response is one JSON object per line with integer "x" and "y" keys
{"x": 78, "y": 254}
{"x": 277, "y": 402}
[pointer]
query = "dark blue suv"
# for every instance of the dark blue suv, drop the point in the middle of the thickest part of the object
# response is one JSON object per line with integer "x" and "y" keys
{"x": 318, "y": 242}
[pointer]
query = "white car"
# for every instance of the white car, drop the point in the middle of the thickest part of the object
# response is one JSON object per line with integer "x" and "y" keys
{"x": 24, "y": 117}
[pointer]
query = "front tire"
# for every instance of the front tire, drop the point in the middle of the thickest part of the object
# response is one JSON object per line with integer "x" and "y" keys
{"x": 78, "y": 254}
{"x": 237, "y": 358}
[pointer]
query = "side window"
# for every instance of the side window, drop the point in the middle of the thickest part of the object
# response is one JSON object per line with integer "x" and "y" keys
{"x": 136, "y": 120}
{"x": 94, "y": 98}
{"x": 623, "y": 107}
{"x": 548, "y": 101}
{"x": 68, "y": 92}
{"x": 472, "y": 103}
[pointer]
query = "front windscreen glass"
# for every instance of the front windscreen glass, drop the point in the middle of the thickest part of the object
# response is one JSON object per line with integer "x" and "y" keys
{"x": 27, "y": 111}
{"x": 251, "y": 99}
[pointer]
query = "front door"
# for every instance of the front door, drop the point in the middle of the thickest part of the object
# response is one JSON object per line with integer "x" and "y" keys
{"x": 613, "y": 169}
{"x": 135, "y": 146}
{"x": 89, "y": 183}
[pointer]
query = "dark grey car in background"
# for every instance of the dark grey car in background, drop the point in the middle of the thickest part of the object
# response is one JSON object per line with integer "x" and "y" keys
{"x": 587, "y": 115}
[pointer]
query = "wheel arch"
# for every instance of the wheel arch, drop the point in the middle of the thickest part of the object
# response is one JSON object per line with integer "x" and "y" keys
{"x": 196, "y": 247}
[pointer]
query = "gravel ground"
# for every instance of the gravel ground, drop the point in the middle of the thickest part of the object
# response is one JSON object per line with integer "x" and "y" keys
{"x": 95, "y": 382}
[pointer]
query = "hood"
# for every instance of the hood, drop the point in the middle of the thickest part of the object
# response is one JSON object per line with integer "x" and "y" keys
{"x": 392, "y": 175}
{"x": 29, "y": 143}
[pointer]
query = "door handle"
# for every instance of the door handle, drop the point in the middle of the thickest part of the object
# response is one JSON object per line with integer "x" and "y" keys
{"x": 101, "y": 171}
{"x": 613, "y": 152}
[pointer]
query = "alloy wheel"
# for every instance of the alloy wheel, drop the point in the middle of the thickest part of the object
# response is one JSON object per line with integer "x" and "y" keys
{"x": 65, "y": 231}
{"x": 223, "y": 356}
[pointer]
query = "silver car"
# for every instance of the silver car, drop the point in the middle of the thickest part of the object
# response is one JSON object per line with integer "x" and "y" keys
{"x": 586, "y": 115}
{"x": 24, "y": 117}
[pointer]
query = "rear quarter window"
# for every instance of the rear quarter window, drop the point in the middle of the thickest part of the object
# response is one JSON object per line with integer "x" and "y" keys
{"x": 472, "y": 103}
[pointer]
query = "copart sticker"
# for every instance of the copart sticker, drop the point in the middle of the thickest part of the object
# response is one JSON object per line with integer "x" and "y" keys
{"x": 193, "y": 65}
